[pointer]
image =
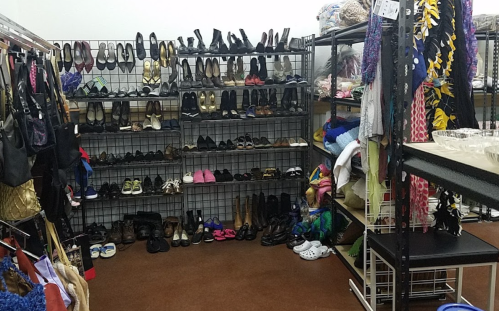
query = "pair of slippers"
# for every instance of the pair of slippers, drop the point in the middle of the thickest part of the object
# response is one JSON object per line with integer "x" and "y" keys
{"x": 222, "y": 235}
{"x": 106, "y": 251}
{"x": 312, "y": 250}
{"x": 157, "y": 243}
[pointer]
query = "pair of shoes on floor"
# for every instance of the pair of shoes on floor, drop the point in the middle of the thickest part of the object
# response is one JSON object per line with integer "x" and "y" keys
{"x": 122, "y": 232}
{"x": 180, "y": 237}
{"x": 131, "y": 187}
{"x": 312, "y": 250}
{"x": 205, "y": 176}
{"x": 172, "y": 186}
{"x": 222, "y": 235}
{"x": 103, "y": 251}
{"x": 156, "y": 241}
{"x": 276, "y": 232}
{"x": 202, "y": 233}
{"x": 246, "y": 232}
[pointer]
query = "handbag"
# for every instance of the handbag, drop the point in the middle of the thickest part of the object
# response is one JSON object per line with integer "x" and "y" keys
{"x": 53, "y": 198}
{"x": 19, "y": 202}
{"x": 82, "y": 242}
{"x": 46, "y": 275}
{"x": 16, "y": 167}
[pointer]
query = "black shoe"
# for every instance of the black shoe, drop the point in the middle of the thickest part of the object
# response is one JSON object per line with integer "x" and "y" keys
{"x": 241, "y": 233}
{"x": 158, "y": 184}
{"x": 189, "y": 226}
{"x": 270, "y": 43}
{"x": 210, "y": 143}
{"x": 198, "y": 235}
{"x": 260, "y": 47}
{"x": 124, "y": 116}
{"x": 234, "y": 114}
{"x": 164, "y": 91}
{"x": 251, "y": 233}
{"x": 241, "y": 48}
{"x": 147, "y": 186}
{"x": 186, "y": 107}
{"x": 190, "y": 46}
{"x": 213, "y": 49}
{"x": 139, "y": 156}
{"x": 114, "y": 191}
{"x": 201, "y": 47}
{"x": 208, "y": 236}
{"x": 201, "y": 144}
{"x": 111, "y": 159}
{"x": 262, "y": 73}
{"x": 254, "y": 67}
{"x": 230, "y": 145}
{"x": 149, "y": 157}
{"x": 227, "y": 175}
{"x": 222, "y": 47}
{"x": 129, "y": 157}
{"x": 224, "y": 105}
{"x": 218, "y": 176}
{"x": 104, "y": 190}
{"x": 100, "y": 116}
{"x": 159, "y": 156}
{"x": 222, "y": 145}
{"x": 186, "y": 75}
{"x": 174, "y": 89}
{"x": 182, "y": 50}
{"x": 130, "y": 57}
{"x": 247, "y": 44}
{"x": 100, "y": 60}
{"x": 195, "y": 112}
{"x": 246, "y": 100}
{"x": 139, "y": 46}
{"x": 282, "y": 46}
{"x": 68, "y": 57}
{"x": 174, "y": 124}
{"x": 153, "y": 46}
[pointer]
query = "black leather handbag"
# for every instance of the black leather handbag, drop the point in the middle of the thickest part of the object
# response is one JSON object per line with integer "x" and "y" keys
{"x": 16, "y": 170}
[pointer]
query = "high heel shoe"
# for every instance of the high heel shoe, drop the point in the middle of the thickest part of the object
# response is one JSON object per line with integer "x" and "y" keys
{"x": 68, "y": 57}
{"x": 121, "y": 57}
{"x": 240, "y": 72}
{"x": 139, "y": 46}
{"x": 202, "y": 105}
{"x": 269, "y": 48}
{"x": 100, "y": 117}
{"x": 90, "y": 114}
{"x": 199, "y": 75}
{"x": 173, "y": 60}
{"x": 187, "y": 75}
{"x": 260, "y": 47}
{"x": 212, "y": 108}
{"x": 153, "y": 46}
{"x": 229, "y": 79}
{"x": 182, "y": 50}
{"x": 216, "y": 74}
{"x": 87, "y": 56}
{"x": 58, "y": 58}
{"x": 208, "y": 74}
{"x": 111, "y": 57}
{"x": 174, "y": 89}
{"x": 213, "y": 49}
{"x": 125, "y": 116}
{"x": 146, "y": 75}
{"x": 247, "y": 44}
{"x": 163, "y": 54}
{"x": 201, "y": 47}
{"x": 232, "y": 45}
{"x": 78, "y": 56}
{"x": 156, "y": 75}
{"x": 222, "y": 47}
{"x": 224, "y": 105}
{"x": 130, "y": 57}
{"x": 282, "y": 46}
{"x": 101, "y": 57}
{"x": 241, "y": 47}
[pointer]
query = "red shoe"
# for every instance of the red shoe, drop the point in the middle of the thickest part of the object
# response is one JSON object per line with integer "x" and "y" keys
{"x": 249, "y": 80}
{"x": 257, "y": 80}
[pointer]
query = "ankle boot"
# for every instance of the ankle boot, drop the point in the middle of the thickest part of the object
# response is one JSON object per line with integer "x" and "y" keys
{"x": 190, "y": 46}
{"x": 285, "y": 204}
{"x": 282, "y": 45}
{"x": 213, "y": 49}
{"x": 241, "y": 48}
{"x": 269, "y": 48}
{"x": 262, "y": 210}
{"x": 248, "y": 44}
{"x": 232, "y": 45}
{"x": 262, "y": 74}
{"x": 246, "y": 100}
{"x": 247, "y": 216}
{"x": 190, "y": 224}
{"x": 272, "y": 206}
{"x": 182, "y": 49}
{"x": 273, "y": 99}
{"x": 238, "y": 222}
{"x": 253, "y": 67}
{"x": 173, "y": 65}
{"x": 260, "y": 47}
{"x": 201, "y": 47}
{"x": 200, "y": 215}
{"x": 254, "y": 213}
{"x": 222, "y": 47}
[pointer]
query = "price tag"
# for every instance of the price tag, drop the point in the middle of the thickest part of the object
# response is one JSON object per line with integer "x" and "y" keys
{"x": 387, "y": 8}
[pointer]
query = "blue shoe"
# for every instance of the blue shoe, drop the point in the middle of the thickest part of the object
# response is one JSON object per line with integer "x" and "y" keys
{"x": 77, "y": 194}
{"x": 217, "y": 224}
{"x": 250, "y": 113}
{"x": 90, "y": 193}
{"x": 290, "y": 80}
{"x": 300, "y": 80}
{"x": 208, "y": 223}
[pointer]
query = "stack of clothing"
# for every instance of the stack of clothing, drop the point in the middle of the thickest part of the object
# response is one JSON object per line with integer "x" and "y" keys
{"x": 345, "y": 131}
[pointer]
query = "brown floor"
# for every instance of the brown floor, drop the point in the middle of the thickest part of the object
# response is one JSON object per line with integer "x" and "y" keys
{"x": 235, "y": 275}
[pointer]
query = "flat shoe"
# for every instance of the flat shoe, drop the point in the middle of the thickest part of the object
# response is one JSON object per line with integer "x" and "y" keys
{"x": 315, "y": 253}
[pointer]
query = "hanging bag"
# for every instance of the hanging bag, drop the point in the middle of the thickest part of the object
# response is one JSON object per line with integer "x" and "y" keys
{"x": 19, "y": 202}
{"x": 16, "y": 167}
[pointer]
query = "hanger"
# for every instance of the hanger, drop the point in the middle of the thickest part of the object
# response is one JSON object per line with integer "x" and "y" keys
{"x": 13, "y": 249}
{"x": 18, "y": 39}
{"x": 21, "y": 30}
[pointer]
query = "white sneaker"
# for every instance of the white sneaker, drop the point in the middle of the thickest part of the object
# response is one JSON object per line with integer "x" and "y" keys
{"x": 156, "y": 125}
{"x": 188, "y": 178}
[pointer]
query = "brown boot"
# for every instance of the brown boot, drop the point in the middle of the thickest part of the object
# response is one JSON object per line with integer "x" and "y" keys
{"x": 247, "y": 217}
{"x": 238, "y": 222}
{"x": 128, "y": 233}
{"x": 254, "y": 213}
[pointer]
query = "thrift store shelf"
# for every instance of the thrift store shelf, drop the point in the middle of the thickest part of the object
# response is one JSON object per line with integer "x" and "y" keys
{"x": 143, "y": 132}
{"x": 122, "y": 99}
{"x": 245, "y": 182}
{"x": 319, "y": 147}
{"x": 208, "y": 55}
{"x": 243, "y": 152}
{"x": 135, "y": 165}
{"x": 348, "y": 102}
{"x": 470, "y": 175}
{"x": 342, "y": 253}
{"x": 273, "y": 118}
{"x": 133, "y": 197}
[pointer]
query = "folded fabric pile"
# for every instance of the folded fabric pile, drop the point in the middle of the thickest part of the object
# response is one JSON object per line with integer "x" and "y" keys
{"x": 346, "y": 131}
{"x": 320, "y": 183}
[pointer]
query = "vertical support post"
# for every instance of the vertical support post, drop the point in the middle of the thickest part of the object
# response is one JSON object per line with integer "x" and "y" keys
{"x": 373, "y": 279}
{"x": 334, "y": 55}
{"x": 485, "y": 76}
{"x": 492, "y": 286}
{"x": 494, "y": 82}
{"x": 403, "y": 99}
{"x": 459, "y": 284}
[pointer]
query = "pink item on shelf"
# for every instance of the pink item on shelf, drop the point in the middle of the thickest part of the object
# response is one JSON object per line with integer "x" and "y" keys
{"x": 198, "y": 177}
{"x": 324, "y": 170}
{"x": 208, "y": 176}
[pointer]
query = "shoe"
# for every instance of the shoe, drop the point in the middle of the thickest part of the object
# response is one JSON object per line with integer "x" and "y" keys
{"x": 258, "y": 143}
{"x": 188, "y": 179}
{"x": 127, "y": 187}
{"x": 121, "y": 59}
{"x": 68, "y": 57}
{"x": 163, "y": 54}
{"x": 208, "y": 236}
{"x": 191, "y": 224}
{"x": 238, "y": 222}
{"x": 234, "y": 114}
{"x": 128, "y": 232}
{"x": 78, "y": 57}
{"x": 260, "y": 47}
{"x": 184, "y": 239}
{"x": 290, "y": 80}
{"x": 168, "y": 229}
{"x": 296, "y": 45}
{"x": 241, "y": 233}
{"x": 174, "y": 89}
{"x": 111, "y": 57}
{"x": 90, "y": 193}
{"x": 302, "y": 142}
{"x": 217, "y": 82}
{"x": 177, "y": 186}
{"x": 230, "y": 145}
{"x": 173, "y": 61}
{"x": 262, "y": 73}
{"x": 100, "y": 59}
{"x": 270, "y": 43}
{"x": 87, "y": 56}
{"x": 208, "y": 74}
{"x": 222, "y": 47}
{"x": 190, "y": 46}
{"x": 139, "y": 46}
{"x": 225, "y": 105}
{"x": 201, "y": 144}
{"x": 164, "y": 91}
{"x": 279, "y": 76}
{"x": 90, "y": 115}
{"x": 282, "y": 46}
{"x": 248, "y": 142}
{"x": 198, "y": 235}
{"x": 153, "y": 46}
{"x": 248, "y": 81}
{"x": 293, "y": 143}
{"x": 158, "y": 184}
{"x": 156, "y": 78}
{"x": 232, "y": 45}
{"x": 148, "y": 187}
{"x": 213, "y": 49}
{"x": 241, "y": 143}
{"x": 300, "y": 80}
{"x": 187, "y": 75}
{"x": 168, "y": 187}
{"x": 250, "y": 112}
{"x": 155, "y": 123}
{"x": 201, "y": 47}
{"x": 136, "y": 187}
{"x": 208, "y": 176}
{"x": 247, "y": 44}
{"x": 182, "y": 50}
{"x": 241, "y": 47}
{"x": 116, "y": 234}
{"x": 227, "y": 176}
{"x": 229, "y": 79}
{"x": 130, "y": 57}
{"x": 104, "y": 190}
{"x": 240, "y": 72}
{"x": 198, "y": 177}
{"x": 176, "y": 235}
{"x": 211, "y": 144}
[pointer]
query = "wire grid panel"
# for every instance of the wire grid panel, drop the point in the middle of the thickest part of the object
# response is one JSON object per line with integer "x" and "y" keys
{"x": 220, "y": 200}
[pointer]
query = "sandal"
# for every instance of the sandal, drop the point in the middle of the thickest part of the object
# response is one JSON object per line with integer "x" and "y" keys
{"x": 95, "y": 251}
{"x": 147, "y": 73}
{"x": 108, "y": 250}
{"x": 306, "y": 246}
{"x": 315, "y": 253}
{"x": 219, "y": 235}
{"x": 229, "y": 234}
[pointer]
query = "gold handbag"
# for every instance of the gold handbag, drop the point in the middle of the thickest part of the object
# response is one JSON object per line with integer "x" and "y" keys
{"x": 19, "y": 202}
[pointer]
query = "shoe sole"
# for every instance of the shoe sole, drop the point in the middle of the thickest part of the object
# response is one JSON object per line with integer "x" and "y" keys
{"x": 209, "y": 241}
{"x": 136, "y": 192}
{"x": 90, "y": 197}
{"x": 126, "y": 192}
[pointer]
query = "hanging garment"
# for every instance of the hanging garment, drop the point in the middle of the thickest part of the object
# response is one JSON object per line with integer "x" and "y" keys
{"x": 470, "y": 39}
{"x": 343, "y": 165}
{"x": 372, "y": 49}
{"x": 376, "y": 190}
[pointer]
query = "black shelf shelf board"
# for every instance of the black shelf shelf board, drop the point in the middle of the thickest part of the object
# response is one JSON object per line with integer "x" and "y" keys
{"x": 248, "y": 182}
{"x": 323, "y": 152}
{"x": 352, "y": 34}
{"x": 482, "y": 35}
{"x": 208, "y": 55}
{"x": 349, "y": 267}
{"x": 148, "y": 132}
{"x": 243, "y": 151}
{"x": 132, "y": 197}
{"x": 122, "y": 99}
{"x": 347, "y": 102}
{"x": 135, "y": 165}
{"x": 472, "y": 182}
{"x": 252, "y": 120}
{"x": 246, "y": 87}
{"x": 348, "y": 214}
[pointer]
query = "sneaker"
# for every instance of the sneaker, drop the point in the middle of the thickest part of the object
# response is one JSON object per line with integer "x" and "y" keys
{"x": 290, "y": 80}
{"x": 77, "y": 194}
{"x": 114, "y": 191}
{"x": 116, "y": 232}
{"x": 208, "y": 236}
{"x": 168, "y": 187}
{"x": 258, "y": 143}
{"x": 188, "y": 179}
{"x": 302, "y": 142}
{"x": 293, "y": 143}
{"x": 136, "y": 188}
{"x": 265, "y": 142}
{"x": 148, "y": 188}
{"x": 128, "y": 233}
{"x": 155, "y": 123}
{"x": 250, "y": 113}
{"x": 198, "y": 235}
{"x": 91, "y": 193}
{"x": 158, "y": 185}
{"x": 177, "y": 186}
{"x": 104, "y": 192}
{"x": 127, "y": 186}
{"x": 248, "y": 142}
{"x": 241, "y": 143}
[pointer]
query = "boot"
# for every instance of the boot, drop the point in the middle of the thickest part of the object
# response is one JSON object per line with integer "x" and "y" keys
{"x": 272, "y": 206}
{"x": 222, "y": 47}
{"x": 247, "y": 44}
{"x": 269, "y": 48}
{"x": 190, "y": 46}
{"x": 241, "y": 48}
{"x": 285, "y": 208}
{"x": 190, "y": 225}
{"x": 262, "y": 74}
{"x": 213, "y": 49}
{"x": 273, "y": 99}
{"x": 253, "y": 67}
{"x": 247, "y": 216}
{"x": 201, "y": 47}
{"x": 254, "y": 212}
{"x": 200, "y": 216}
{"x": 238, "y": 222}
{"x": 173, "y": 65}
{"x": 262, "y": 211}
{"x": 232, "y": 45}
{"x": 282, "y": 46}
{"x": 182, "y": 49}
{"x": 260, "y": 47}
